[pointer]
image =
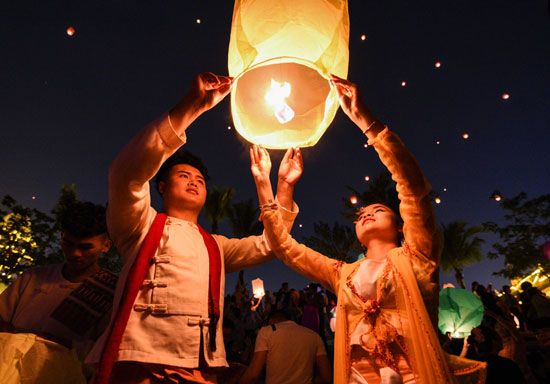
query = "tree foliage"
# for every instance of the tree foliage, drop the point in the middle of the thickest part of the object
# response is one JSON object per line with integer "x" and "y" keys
{"x": 461, "y": 248}
{"x": 27, "y": 237}
{"x": 218, "y": 205}
{"x": 521, "y": 237}
{"x": 243, "y": 219}
{"x": 338, "y": 242}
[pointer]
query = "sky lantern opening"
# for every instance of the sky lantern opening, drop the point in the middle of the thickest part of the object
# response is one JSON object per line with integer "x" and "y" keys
{"x": 281, "y": 55}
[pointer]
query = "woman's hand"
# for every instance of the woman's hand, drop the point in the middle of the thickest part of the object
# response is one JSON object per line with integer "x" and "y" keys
{"x": 352, "y": 105}
{"x": 291, "y": 167}
{"x": 260, "y": 163}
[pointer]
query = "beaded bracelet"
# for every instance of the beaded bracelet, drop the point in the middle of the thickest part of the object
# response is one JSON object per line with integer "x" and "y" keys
{"x": 271, "y": 206}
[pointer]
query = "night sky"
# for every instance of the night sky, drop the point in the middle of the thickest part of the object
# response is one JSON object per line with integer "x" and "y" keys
{"x": 68, "y": 104}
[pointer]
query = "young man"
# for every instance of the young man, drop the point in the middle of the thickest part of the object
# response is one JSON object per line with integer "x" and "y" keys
{"x": 67, "y": 303}
{"x": 290, "y": 353}
{"x": 166, "y": 321}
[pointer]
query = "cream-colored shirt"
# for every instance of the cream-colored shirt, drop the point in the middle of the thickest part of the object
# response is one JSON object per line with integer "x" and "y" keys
{"x": 170, "y": 312}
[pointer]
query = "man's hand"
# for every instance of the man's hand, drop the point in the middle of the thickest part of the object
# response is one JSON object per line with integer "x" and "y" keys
{"x": 208, "y": 89}
{"x": 292, "y": 167}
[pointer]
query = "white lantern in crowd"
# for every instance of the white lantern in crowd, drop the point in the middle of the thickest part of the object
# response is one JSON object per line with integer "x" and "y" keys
{"x": 258, "y": 288}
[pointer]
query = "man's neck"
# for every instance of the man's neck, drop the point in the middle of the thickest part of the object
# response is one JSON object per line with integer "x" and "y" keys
{"x": 77, "y": 276}
{"x": 182, "y": 214}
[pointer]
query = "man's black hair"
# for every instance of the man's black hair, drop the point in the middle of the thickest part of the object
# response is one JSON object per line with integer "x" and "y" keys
{"x": 279, "y": 315}
{"x": 180, "y": 157}
{"x": 83, "y": 219}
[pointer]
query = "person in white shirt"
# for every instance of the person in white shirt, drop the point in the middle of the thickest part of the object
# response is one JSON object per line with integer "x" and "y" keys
{"x": 289, "y": 352}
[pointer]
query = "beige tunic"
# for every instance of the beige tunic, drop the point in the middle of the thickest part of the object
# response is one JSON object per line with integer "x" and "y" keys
{"x": 171, "y": 310}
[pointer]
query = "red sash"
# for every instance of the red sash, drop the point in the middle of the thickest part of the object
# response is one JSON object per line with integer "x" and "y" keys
{"x": 134, "y": 282}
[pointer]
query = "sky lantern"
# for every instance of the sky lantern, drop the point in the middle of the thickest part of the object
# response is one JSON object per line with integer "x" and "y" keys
{"x": 460, "y": 311}
{"x": 281, "y": 54}
{"x": 353, "y": 200}
{"x": 70, "y": 31}
{"x": 258, "y": 288}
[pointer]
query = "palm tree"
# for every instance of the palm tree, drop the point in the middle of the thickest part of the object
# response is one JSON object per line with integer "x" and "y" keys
{"x": 461, "y": 248}
{"x": 338, "y": 242}
{"x": 218, "y": 203}
{"x": 243, "y": 219}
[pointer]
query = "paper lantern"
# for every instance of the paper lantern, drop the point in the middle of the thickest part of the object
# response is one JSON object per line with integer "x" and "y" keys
{"x": 459, "y": 311}
{"x": 258, "y": 288}
{"x": 281, "y": 54}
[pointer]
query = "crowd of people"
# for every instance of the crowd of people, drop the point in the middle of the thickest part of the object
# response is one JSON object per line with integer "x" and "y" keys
{"x": 513, "y": 337}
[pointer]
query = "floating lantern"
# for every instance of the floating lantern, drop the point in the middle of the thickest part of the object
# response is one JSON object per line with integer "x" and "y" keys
{"x": 367, "y": 178}
{"x": 465, "y": 136}
{"x": 437, "y": 200}
{"x": 496, "y": 195}
{"x": 281, "y": 64}
{"x": 353, "y": 200}
{"x": 438, "y": 142}
{"x": 70, "y": 31}
{"x": 505, "y": 96}
{"x": 403, "y": 83}
{"x": 258, "y": 288}
{"x": 460, "y": 311}
{"x": 438, "y": 64}
{"x": 198, "y": 21}
{"x": 363, "y": 37}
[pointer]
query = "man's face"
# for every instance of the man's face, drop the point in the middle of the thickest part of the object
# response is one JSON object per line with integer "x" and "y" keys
{"x": 376, "y": 221}
{"x": 83, "y": 252}
{"x": 184, "y": 187}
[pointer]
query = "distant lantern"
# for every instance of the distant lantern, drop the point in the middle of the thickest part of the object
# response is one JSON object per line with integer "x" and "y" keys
{"x": 505, "y": 96}
{"x": 367, "y": 178}
{"x": 497, "y": 196}
{"x": 353, "y": 200}
{"x": 403, "y": 83}
{"x": 258, "y": 288}
{"x": 444, "y": 189}
{"x": 438, "y": 64}
{"x": 198, "y": 21}
{"x": 281, "y": 96}
{"x": 438, "y": 142}
{"x": 70, "y": 31}
{"x": 363, "y": 37}
{"x": 465, "y": 136}
{"x": 437, "y": 200}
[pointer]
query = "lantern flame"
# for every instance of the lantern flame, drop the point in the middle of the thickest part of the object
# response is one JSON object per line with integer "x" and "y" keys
{"x": 275, "y": 98}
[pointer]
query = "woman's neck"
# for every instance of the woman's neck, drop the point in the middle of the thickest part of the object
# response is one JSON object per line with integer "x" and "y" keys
{"x": 378, "y": 249}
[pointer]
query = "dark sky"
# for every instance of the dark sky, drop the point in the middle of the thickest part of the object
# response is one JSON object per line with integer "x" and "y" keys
{"x": 68, "y": 104}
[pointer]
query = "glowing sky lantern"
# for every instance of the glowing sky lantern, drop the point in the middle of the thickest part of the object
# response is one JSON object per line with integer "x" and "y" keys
{"x": 70, "y": 31}
{"x": 258, "y": 288}
{"x": 281, "y": 54}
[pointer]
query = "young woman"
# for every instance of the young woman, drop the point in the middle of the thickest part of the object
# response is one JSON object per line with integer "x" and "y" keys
{"x": 387, "y": 302}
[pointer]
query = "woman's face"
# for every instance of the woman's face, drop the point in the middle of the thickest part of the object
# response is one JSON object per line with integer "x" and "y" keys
{"x": 376, "y": 221}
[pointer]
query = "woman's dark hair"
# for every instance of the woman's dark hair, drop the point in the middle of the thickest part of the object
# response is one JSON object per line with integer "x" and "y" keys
{"x": 180, "y": 157}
